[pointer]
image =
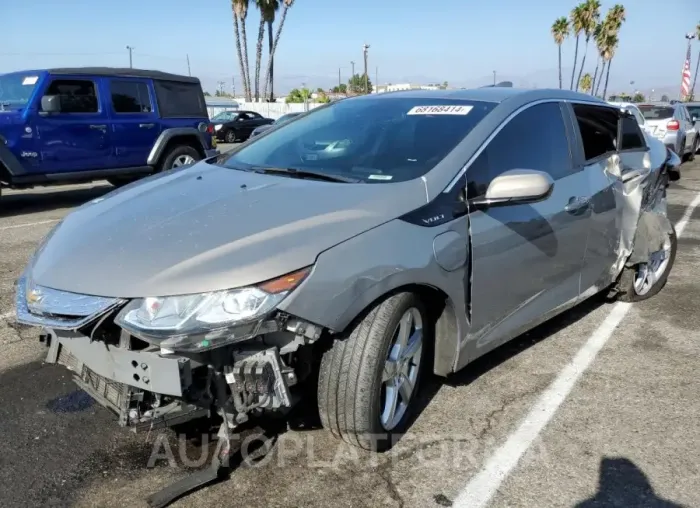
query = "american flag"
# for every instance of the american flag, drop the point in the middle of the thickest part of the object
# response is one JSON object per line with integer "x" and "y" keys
{"x": 685, "y": 80}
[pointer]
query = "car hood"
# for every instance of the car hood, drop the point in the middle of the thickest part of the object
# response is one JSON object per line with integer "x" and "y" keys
{"x": 207, "y": 228}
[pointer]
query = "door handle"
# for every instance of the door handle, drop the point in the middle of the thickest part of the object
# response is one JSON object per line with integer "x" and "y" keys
{"x": 99, "y": 127}
{"x": 147, "y": 125}
{"x": 577, "y": 205}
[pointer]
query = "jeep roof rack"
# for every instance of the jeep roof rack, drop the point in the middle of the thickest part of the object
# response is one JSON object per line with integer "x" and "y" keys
{"x": 124, "y": 73}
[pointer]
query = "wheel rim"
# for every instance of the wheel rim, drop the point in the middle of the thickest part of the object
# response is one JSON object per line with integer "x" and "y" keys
{"x": 230, "y": 137}
{"x": 648, "y": 274}
{"x": 401, "y": 367}
{"x": 183, "y": 160}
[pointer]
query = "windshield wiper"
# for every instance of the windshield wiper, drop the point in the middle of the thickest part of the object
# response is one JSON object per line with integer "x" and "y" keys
{"x": 305, "y": 173}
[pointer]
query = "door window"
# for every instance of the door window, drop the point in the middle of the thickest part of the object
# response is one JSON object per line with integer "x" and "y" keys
{"x": 534, "y": 139}
{"x": 598, "y": 127}
{"x": 630, "y": 135}
{"x": 130, "y": 97}
{"x": 77, "y": 95}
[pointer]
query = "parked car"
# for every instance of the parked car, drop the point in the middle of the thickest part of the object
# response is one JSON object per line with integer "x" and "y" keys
{"x": 634, "y": 111}
{"x": 240, "y": 126}
{"x": 364, "y": 244}
{"x": 694, "y": 110}
{"x": 283, "y": 119}
{"x": 673, "y": 125}
{"x": 84, "y": 124}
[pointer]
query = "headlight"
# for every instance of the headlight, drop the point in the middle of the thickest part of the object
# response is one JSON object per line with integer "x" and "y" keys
{"x": 218, "y": 127}
{"x": 203, "y": 321}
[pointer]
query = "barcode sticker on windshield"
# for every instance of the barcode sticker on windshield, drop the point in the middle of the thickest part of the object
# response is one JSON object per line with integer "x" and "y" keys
{"x": 30, "y": 80}
{"x": 440, "y": 110}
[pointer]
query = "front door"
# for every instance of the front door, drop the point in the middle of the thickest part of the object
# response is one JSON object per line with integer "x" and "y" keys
{"x": 526, "y": 258}
{"x": 134, "y": 120}
{"x": 78, "y": 137}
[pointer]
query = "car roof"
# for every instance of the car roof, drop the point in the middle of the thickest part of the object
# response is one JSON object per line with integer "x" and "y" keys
{"x": 623, "y": 104}
{"x": 490, "y": 94}
{"x": 124, "y": 73}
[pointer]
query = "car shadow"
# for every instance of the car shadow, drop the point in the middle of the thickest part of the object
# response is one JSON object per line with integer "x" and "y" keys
{"x": 622, "y": 483}
{"x": 35, "y": 201}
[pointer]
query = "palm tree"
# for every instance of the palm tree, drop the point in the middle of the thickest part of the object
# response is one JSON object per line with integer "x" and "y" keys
{"x": 586, "y": 83}
{"x": 258, "y": 49}
{"x": 270, "y": 8}
{"x": 577, "y": 24}
{"x": 560, "y": 31}
{"x": 240, "y": 10}
{"x": 697, "y": 66}
{"x": 611, "y": 43}
{"x": 235, "y": 8}
{"x": 598, "y": 38}
{"x": 591, "y": 15}
{"x": 287, "y": 4}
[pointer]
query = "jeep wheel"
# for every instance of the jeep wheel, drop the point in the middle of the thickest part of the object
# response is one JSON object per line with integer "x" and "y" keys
{"x": 230, "y": 137}
{"x": 645, "y": 280}
{"x": 369, "y": 379}
{"x": 179, "y": 156}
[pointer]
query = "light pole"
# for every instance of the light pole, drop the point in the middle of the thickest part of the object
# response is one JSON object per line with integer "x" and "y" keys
{"x": 353, "y": 69}
{"x": 690, "y": 36}
{"x": 494, "y": 78}
{"x": 130, "y": 49}
{"x": 697, "y": 67}
{"x": 365, "y": 47}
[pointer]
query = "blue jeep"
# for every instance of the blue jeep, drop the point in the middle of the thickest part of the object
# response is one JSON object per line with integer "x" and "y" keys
{"x": 78, "y": 125}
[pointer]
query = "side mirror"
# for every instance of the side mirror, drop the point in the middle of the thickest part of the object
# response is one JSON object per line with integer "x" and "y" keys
{"x": 518, "y": 186}
{"x": 51, "y": 104}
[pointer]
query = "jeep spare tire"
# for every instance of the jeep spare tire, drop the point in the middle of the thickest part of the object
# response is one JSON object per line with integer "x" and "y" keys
{"x": 179, "y": 156}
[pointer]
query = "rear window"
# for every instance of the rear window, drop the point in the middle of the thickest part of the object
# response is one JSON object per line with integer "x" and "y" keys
{"x": 371, "y": 139}
{"x": 180, "y": 100}
{"x": 656, "y": 112}
{"x": 694, "y": 111}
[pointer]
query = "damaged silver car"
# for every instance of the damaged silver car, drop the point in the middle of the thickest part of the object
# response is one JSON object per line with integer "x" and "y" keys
{"x": 349, "y": 251}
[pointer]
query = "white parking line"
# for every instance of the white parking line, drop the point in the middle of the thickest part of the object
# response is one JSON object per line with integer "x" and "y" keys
{"x": 28, "y": 224}
{"x": 482, "y": 487}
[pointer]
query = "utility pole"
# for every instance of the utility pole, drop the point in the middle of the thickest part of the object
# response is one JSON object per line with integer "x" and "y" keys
{"x": 221, "y": 87}
{"x": 188, "y": 65}
{"x": 365, "y": 47}
{"x": 494, "y": 78}
{"x": 340, "y": 81}
{"x": 376, "y": 77}
{"x": 130, "y": 49}
{"x": 233, "y": 86}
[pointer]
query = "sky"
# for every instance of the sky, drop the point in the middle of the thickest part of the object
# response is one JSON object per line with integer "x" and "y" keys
{"x": 458, "y": 41}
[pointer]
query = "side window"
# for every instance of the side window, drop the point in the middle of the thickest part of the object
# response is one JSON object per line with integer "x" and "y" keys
{"x": 534, "y": 139}
{"x": 130, "y": 97}
{"x": 638, "y": 116}
{"x": 631, "y": 137}
{"x": 77, "y": 95}
{"x": 598, "y": 127}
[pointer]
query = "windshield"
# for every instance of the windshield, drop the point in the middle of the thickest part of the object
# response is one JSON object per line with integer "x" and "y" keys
{"x": 16, "y": 89}
{"x": 656, "y": 112}
{"x": 225, "y": 116}
{"x": 370, "y": 139}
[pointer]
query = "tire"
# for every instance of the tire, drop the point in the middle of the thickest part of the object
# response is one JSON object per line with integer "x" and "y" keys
{"x": 230, "y": 137}
{"x": 626, "y": 284}
{"x": 351, "y": 392}
{"x": 691, "y": 156}
{"x": 178, "y": 154}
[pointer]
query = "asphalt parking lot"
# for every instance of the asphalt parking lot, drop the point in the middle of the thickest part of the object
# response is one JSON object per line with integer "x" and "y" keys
{"x": 597, "y": 415}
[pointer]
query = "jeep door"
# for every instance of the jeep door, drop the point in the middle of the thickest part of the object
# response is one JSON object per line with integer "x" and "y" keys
{"x": 134, "y": 120}
{"x": 526, "y": 258}
{"x": 77, "y": 138}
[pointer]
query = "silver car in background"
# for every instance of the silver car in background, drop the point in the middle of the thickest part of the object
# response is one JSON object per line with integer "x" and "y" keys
{"x": 283, "y": 119}
{"x": 673, "y": 125}
{"x": 634, "y": 111}
{"x": 341, "y": 256}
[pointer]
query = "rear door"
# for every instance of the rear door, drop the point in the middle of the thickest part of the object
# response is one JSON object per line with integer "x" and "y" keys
{"x": 688, "y": 128}
{"x": 134, "y": 119}
{"x": 527, "y": 258}
{"x": 77, "y": 138}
